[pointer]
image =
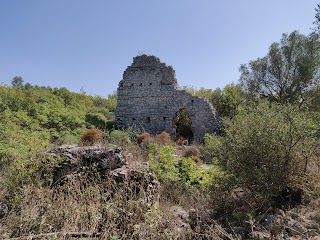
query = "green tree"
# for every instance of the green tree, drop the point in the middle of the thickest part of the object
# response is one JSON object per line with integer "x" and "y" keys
{"x": 317, "y": 21}
{"x": 228, "y": 100}
{"x": 225, "y": 101}
{"x": 17, "y": 82}
{"x": 286, "y": 72}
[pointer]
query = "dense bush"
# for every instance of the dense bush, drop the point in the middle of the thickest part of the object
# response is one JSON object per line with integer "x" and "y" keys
{"x": 96, "y": 119}
{"x": 267, "y": 147}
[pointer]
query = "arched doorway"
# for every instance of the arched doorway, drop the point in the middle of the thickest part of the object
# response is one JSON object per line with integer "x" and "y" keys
{"x": 182, "y": 124}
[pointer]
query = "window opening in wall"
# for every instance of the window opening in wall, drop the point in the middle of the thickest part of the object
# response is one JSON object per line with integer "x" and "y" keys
{"x": 131, "y": 84}
{"x": 164, "y": 118}
{"x": 182, "y": 124}
{"x": 150, "y": 83}
{"x": 148, "y": 119}
{"x": 121, "y": 84}
{"x": 140, "y": 84}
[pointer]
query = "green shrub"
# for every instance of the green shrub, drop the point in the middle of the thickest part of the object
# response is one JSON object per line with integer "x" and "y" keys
{"x": 119, "y": 137}
{"x": 267, "y": 147}
{"x": 163, "y": 162}
{"x": 111, "y": 125}
{"x": 96, "y": 119}
{"x": 212, "y": 149}
{"x": 202, "y": 176}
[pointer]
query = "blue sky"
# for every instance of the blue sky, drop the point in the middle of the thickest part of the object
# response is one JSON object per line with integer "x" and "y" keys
{"x": 89, "y": 43}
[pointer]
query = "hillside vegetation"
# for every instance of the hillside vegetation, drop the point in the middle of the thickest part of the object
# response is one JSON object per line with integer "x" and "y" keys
{"x": 266, "y": 159}
{"x": 259, "y": 179}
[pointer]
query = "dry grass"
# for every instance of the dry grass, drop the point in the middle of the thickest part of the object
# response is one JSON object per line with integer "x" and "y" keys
{"x": 109, "y": 210}
{"x": 78, "y": 206}
{"x": 313, "y": 173}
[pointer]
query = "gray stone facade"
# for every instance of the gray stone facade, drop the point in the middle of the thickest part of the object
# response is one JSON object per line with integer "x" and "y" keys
{"x": 148, "y": 99}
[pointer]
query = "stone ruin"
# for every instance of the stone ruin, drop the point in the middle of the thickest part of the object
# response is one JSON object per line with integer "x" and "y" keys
{"x": 148, "y": 99}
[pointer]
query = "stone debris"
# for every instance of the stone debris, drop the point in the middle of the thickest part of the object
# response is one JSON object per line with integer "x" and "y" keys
{"x": 279, "y": 225}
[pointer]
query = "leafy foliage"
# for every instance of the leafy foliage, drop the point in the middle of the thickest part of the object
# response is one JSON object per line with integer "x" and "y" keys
{"x": 212, "y": 148}
{"x": 286, "y": 72}
{"x": 34, "y": 119}
{"x": 317, "y": 16}
{"x": 163, "y": 162}
{"x": 119, "y": 137}
{"x": 61, "y": 114}
{"x": 226, "y": 101}
{"x": 267, "y": 147}
{"x": 17, "y": 82}
{"x": 203, "y": 176}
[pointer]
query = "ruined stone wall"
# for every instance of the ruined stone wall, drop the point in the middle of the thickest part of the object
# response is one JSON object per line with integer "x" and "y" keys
{"x": 148, "y": 100}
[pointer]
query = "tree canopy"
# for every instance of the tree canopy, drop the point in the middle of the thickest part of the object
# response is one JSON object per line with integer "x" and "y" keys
{"x": 17, "y": 82}
{"x": 288, "y": 70}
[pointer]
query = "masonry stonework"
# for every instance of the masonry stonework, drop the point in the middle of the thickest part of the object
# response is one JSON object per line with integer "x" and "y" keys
{"x": 148, "y": 99}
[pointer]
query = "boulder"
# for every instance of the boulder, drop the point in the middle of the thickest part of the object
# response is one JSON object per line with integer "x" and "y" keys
{"x": 110, "y": 163}
{"x": 77, "y": 158}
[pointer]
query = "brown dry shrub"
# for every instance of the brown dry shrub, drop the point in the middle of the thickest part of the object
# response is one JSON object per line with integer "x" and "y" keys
{"x": 163, "y": 137}
{"x": 91, "y": 136}
{"x": 142, "y": 137}
{"x": 196, "y": 159}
